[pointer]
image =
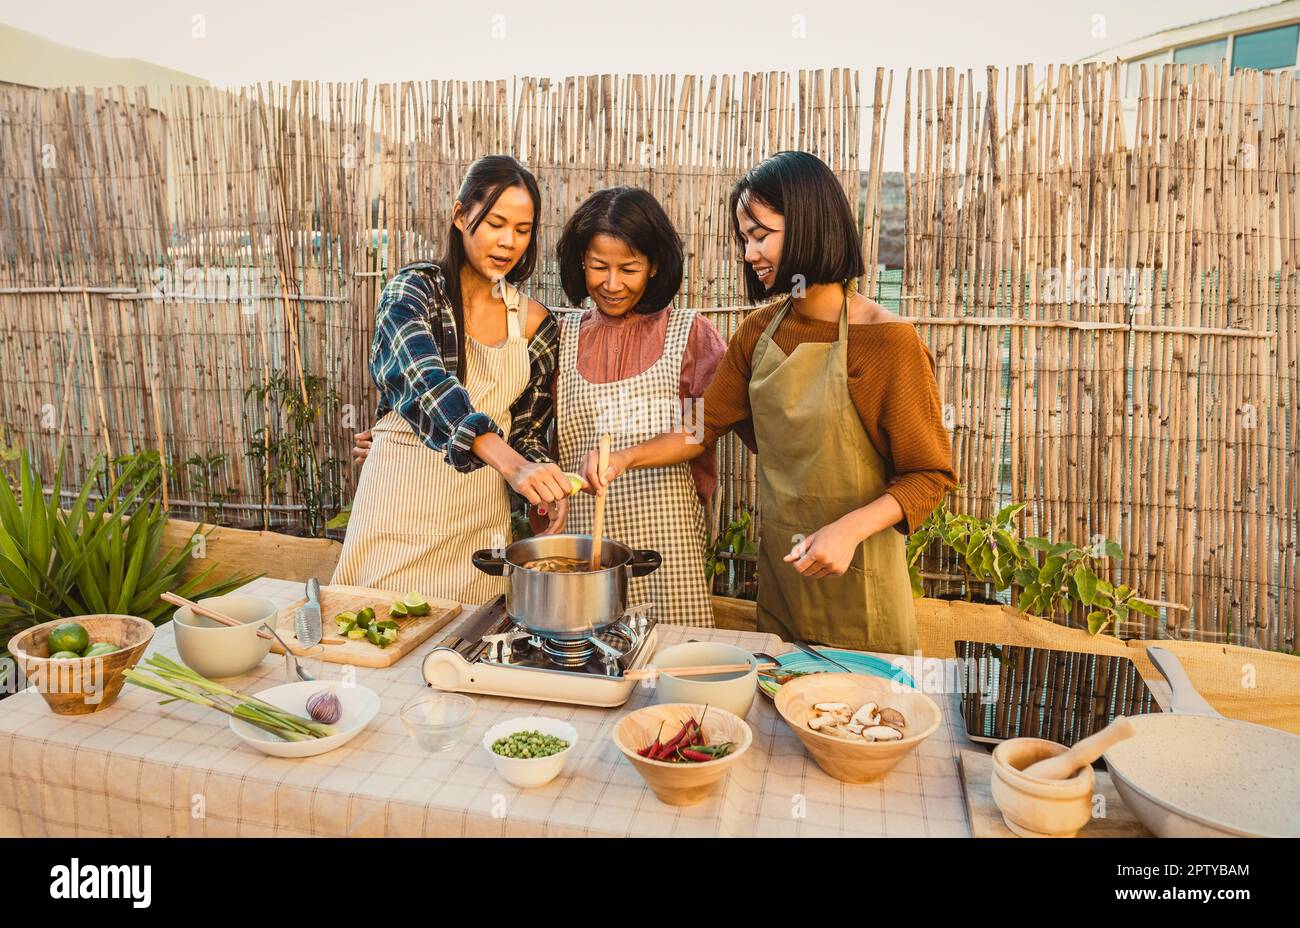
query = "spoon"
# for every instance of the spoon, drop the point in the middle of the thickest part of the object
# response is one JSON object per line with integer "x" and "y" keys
{"x": 598, "y": 524}
{"x": 1064, "y": 766}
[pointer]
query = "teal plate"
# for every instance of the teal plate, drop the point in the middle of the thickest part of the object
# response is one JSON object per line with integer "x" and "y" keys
{"x": 858, "y": 663}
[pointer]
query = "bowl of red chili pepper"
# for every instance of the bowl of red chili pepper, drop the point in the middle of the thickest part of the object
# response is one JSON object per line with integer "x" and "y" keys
{"x": 682, "y": 750}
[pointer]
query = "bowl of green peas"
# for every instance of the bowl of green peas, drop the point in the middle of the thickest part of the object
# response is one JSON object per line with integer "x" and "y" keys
{"x": 530, "y": 752}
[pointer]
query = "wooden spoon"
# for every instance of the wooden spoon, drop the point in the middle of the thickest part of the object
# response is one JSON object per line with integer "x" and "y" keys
{"x": 210, "y": 613}
{"x": 598, "y": 524}
{"x": 1064, "y": 766}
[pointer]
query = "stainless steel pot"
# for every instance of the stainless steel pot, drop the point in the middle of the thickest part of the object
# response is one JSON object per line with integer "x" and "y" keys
{"x": 566, "y": 607}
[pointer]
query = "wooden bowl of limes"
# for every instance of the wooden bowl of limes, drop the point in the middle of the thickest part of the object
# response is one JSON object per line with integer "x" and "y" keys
{"x": 77, "y": 663}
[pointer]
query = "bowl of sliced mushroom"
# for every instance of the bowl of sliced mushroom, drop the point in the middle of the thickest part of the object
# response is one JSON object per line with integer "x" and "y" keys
{"x": 857, "y": 728}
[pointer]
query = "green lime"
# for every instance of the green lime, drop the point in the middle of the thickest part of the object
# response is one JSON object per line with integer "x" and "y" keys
{"x": 69, "y": 637}
{"x": 576, "y": 483}
{"x": 357, "y": 633}
{"x": 65, "y": 656}
{"x": 98, "y": 648}
{"x": 398, "y": 610}
{"x": 416, "y": 605}
{"x": 365, "y": 617}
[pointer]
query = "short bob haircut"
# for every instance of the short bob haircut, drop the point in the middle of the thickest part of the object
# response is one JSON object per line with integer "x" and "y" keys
{"x": 634, "y": 216}
{"x": 821, "y": 242}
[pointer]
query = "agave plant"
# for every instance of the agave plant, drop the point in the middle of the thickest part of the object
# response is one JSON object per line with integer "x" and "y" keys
{"x": 101, "y": 558}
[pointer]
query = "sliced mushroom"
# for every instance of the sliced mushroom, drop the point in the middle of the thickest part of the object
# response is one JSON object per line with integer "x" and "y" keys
{"x": 867, "y": 715}
{"x": 882, "y": 733}
{"x": 855, "y": 728}
{"x": 818, "y": 722}
{"x": 832, "y": 707}
{"x": 893, "y": 718}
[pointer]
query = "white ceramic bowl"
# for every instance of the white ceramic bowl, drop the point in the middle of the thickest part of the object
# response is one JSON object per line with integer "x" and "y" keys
{"x": 733, "y": 692}
{"x": 218, "y": 651}
{"x": 530, "y": 772}
{"x": 360, "y": 706}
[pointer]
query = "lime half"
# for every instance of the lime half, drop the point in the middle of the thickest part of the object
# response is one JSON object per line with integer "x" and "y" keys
{"x": 416, "y": 604}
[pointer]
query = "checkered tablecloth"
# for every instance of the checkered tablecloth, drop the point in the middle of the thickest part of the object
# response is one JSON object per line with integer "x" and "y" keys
{"x": 138, "y": 768}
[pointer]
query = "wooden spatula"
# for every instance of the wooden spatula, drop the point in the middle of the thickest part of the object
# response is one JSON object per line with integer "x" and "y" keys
{"x": 598, "y": 523}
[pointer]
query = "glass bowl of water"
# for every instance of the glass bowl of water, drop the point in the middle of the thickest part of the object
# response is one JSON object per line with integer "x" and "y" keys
{"x": 437, "y": 720}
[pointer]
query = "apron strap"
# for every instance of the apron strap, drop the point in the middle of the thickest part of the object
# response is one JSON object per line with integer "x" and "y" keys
{"x": 789, "y": 303}
{"x": 780, "y": 314}
{"x": 510, "y": 293}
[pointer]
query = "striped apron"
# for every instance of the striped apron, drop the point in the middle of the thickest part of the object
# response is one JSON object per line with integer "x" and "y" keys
{"x": 415, "y": 519}
{"x": 656, "y": 508}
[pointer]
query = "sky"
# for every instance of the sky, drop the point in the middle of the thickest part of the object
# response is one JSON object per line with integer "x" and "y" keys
{"x": 238, "y": 42}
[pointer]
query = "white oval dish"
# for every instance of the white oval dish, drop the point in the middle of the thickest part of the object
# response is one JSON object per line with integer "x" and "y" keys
{"x": 360, "y": 705}
{"x": 530, "y": 772}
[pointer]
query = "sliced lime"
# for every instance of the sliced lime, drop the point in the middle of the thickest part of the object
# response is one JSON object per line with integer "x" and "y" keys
{"x": 398, "y": 610}
{"x": 416, "y": 604}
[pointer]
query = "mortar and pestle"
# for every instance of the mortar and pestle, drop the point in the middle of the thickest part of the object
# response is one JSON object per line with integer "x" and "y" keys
{"x": 1045, "y": 790}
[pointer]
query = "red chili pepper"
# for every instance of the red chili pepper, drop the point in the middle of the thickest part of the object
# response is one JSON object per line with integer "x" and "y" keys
{"x": 672, "y": 745}
{"x": 650, "y": 749}
{"x": 694, "y": 755}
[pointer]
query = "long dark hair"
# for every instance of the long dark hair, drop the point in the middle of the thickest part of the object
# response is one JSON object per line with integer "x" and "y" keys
{"x": 484, "y": 181}
{"x": 821, "y": 238}
{"x": 634, "y": 216}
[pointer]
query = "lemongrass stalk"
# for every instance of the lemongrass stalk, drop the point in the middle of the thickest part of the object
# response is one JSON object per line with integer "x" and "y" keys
{"x": 166, "y": 667}
{"x": 271, "y": 724}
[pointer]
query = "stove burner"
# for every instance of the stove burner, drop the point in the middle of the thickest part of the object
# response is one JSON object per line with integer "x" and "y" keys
{"x": 569, "y": 653}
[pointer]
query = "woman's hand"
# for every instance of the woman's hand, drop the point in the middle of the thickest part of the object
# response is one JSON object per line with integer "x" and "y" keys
{"x": 539, "y": 483}
{"x": 827, "y": 552}
{"x": 618, "y": 461}
{"x": 557, "y": 516}
{"x": 362, "y": 449}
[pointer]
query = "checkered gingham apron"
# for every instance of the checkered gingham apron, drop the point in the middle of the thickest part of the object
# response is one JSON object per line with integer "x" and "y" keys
{"x": 656, "y": 508}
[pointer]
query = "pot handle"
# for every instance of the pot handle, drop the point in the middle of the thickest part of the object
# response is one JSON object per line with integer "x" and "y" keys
{"x": 644, "y": 562}
{"x": 487, "y": 562}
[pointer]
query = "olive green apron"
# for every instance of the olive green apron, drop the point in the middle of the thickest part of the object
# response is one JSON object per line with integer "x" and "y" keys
{"x": 815, "y": 464}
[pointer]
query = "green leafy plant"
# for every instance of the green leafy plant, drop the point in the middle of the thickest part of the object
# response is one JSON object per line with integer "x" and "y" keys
{"x": 1069, "y": 574}
{"x": 1049, "y": 578}
{"x": 285, "y": 449}
{"x": 204, "y": 470}
{"x": 732, "y": 542}
{"x": 990, "y": 553}
{"x": 95, "y": 557}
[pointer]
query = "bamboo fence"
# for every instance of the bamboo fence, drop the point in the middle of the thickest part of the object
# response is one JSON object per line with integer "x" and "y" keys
{"x": 164, "y": 261}
{"x": 1160, "y": 416}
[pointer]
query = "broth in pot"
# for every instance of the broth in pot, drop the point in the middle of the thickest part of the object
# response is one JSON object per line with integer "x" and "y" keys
{"x": 559, "y": 565}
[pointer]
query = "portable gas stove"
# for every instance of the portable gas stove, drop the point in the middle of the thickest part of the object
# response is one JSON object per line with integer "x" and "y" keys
{"x": 494, "y": 656}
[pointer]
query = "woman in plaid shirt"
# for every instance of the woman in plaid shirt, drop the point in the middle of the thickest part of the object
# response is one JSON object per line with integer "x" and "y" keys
{"x": 464, "y": 365}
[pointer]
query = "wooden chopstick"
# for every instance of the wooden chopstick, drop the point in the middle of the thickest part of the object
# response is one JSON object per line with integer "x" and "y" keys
{"x": 210, "y": 613}
{"x": 649, "y": 673}
{"x": 598, "y": 523}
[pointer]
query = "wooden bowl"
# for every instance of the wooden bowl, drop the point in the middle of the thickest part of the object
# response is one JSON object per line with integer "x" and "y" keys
{"x": 681, "y": 784}
{"x": 856, "y": 761}
{"x": 88, "y": 684}
{"x": 1033, "y": 807}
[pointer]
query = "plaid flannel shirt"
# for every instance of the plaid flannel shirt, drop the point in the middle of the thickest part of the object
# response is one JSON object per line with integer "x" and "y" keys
{"x": 417, "y": 377}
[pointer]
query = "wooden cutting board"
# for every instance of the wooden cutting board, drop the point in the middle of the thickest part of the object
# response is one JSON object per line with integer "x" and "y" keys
{"x": 411, "y": 632}
{"x": 986, "y": 818}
